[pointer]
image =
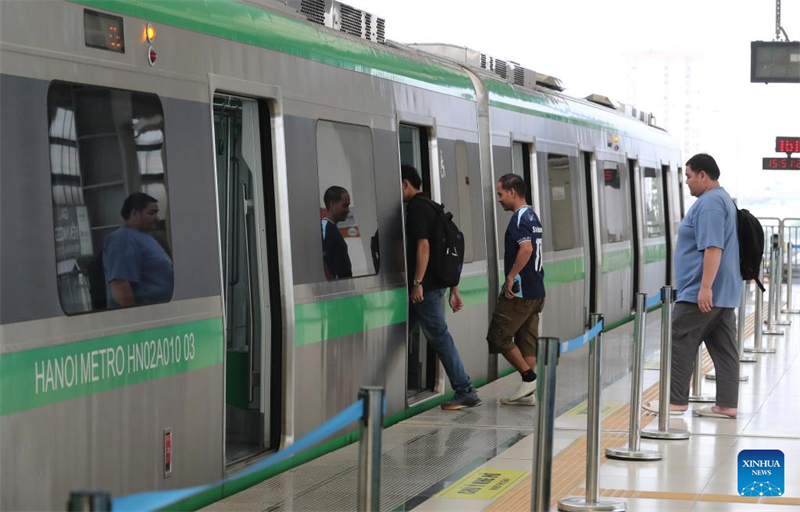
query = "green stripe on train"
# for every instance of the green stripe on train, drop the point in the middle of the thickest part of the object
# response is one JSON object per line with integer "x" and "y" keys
{"x": 617, "y": 260}
{"x": 48, "y": 375}
{"x": 653, "y": 253}
{"x": 256, "y": 26}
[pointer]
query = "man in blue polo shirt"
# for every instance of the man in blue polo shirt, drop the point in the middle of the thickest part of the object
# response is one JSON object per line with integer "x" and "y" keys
{"x": 709, "y": 283}
{"x": 514, "y": 330}
{"x": 137, "y": 269}
{"x": 335, "y": 256}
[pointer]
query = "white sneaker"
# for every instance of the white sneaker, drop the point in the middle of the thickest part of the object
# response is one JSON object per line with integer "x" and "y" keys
{"x": 528, "y": 400}
{"x": 525, "y": 389}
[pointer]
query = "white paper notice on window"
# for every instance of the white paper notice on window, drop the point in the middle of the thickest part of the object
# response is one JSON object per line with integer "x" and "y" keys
{"x": 558, "y": 193}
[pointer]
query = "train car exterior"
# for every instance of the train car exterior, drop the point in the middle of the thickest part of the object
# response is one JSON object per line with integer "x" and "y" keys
{"x": 237, "y": 119}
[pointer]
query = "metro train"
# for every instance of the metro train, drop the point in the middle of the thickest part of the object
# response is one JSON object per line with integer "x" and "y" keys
{"x": 237, "y": 116}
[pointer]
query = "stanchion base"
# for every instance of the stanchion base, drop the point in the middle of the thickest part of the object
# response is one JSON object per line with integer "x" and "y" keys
{"x": 774, "y": 332}
{"x": 673, "y": 434}
{"x": 702, "y": 399}
{"x": 762, "y": 350}
{"x": 790, "y": 311}
{"x": 713, "y": 376}
{"x": 783, "y": 323}
{"x": 747, "y": 359}
{"x": 576, "y": 504}
{"x": 626, "y": 453}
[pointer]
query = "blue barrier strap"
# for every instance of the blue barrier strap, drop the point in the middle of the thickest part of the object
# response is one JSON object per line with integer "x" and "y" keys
{"x": 653, "y": 301}
{"x": 156, "y": 500}
{"x": 576, "y": 343}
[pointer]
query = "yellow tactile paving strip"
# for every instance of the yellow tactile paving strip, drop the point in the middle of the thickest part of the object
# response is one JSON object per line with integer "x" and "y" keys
{"x": 569, "y": 465}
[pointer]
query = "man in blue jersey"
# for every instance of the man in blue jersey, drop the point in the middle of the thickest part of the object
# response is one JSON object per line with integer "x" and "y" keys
{"x": 709, "y": 283}
{"x": 137, "y": 269}
{"x": 514, "y": 330}
{"x": 335, "y": 255}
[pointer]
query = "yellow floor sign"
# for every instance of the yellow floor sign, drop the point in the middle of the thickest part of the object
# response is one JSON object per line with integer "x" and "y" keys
{"x": 484, "y": 484}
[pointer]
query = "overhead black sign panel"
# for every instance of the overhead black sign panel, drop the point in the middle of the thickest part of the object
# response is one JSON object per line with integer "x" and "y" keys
{"x": 775, "y": 61}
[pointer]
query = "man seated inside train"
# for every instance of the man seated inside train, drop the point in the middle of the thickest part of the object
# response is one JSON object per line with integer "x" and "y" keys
{"x": 137, "y": 269}
{"x": 335, "y": 255}
{"x": 426, "y": 294}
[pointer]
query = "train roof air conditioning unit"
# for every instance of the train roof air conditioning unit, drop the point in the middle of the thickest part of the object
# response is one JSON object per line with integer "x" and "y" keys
{"x": 342, "y": 17}
{"x": 511, "y": 72}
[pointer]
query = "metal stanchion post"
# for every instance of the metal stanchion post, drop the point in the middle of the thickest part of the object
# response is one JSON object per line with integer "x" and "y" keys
{"x": 89, "y": 501}
{"x": 758, "y": 325}
{"x": 773, "y": 287}
{"x": 779, "y": 291}
{"x": 696, "y": 394}
{"x": 543, "y": 445}
{"x": 369, "y": 450}
{"x": 789, "y": 265}
{"x": 742, "y": 317}
{"x": 664, "y": 431}
{"x": 633, "y": 451}
{"x": 592, "y": 500}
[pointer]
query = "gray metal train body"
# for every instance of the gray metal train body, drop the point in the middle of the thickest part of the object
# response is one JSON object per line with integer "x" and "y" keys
{"x": 237, "y": 118}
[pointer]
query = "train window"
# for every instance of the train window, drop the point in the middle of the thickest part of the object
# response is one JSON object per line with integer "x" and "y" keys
{"x": 651, "y": 195}
{"x": 614, "y": 218}
{"x": 348, "y": 201}
{"x": 414, "y": 152}
{"x": 110, "y": 204}
{"x": 464, "y": 198}
{"x": 521, "y": 165}
{"x": 561, "y": 215}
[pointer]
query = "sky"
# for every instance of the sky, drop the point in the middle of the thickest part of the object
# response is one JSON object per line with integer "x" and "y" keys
{"x": 591, "y": 44}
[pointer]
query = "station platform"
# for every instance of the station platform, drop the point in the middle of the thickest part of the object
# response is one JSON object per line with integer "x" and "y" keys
{"x": 480, "y": 459}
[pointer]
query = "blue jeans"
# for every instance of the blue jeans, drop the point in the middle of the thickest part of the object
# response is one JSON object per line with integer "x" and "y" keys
{"x": 430, "y": 315}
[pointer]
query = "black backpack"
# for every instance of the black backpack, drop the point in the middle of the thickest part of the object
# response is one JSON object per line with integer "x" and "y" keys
{"x": 447, "y": 247}
{"x": 751, "y": 246}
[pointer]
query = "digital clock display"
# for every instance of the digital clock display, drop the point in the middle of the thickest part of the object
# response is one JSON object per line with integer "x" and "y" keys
{"x": 781, "y": 164}
{"x": 787, "y": 144}
{"x": 103, "y": 31}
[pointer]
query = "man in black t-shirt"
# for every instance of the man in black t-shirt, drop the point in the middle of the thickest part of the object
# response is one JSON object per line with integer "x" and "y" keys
{"x": 335, "y": 256}
{"x": 426, "y": 294}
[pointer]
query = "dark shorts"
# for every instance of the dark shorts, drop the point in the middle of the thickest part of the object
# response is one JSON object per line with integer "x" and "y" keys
{"x": 515, "y": 321}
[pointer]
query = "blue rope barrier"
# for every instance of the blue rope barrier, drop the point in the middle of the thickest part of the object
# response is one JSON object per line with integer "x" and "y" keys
{"x": 149, "y": 501}
{"x": 653, "y": 301}
{"x": 577, "y": 342}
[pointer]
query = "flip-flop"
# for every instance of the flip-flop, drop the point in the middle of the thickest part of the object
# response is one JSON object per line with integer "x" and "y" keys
{"x": 707, "y": 412}
{"x": 653, "y": 407}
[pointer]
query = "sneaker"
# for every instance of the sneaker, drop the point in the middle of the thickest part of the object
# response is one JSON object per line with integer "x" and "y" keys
{"x": 525, "y": 389}
{"x": 527, "y": 400}
{"x": 462, "y": 401}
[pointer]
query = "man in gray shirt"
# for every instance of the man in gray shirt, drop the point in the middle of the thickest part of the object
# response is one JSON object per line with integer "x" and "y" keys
{"x": 709, "y": 285}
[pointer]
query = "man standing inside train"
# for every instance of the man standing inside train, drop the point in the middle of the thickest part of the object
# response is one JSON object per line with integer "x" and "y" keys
{"x": 709, "y": 283}
{"x": 335, "y": 255}
{"x": 514, "y": 329}
{"x": 137, "y": 269}
{"x": 426, "y": 295}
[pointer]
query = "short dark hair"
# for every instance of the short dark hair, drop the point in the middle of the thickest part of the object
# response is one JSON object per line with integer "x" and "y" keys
{"x": 704, "y": 162}
{"x": 136, "y": 202}
{"x": 513, "y": 182}
{"x": 333, "y": 195}
{"x": 408, "y": 172}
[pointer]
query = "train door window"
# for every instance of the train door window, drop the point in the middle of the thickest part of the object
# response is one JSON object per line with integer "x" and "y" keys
{"x": 414, "y": 152}
{"x": 653, "y": 203}
{"x": 109, "y": 183}
{"x": 521, "y": 166}
{"x": 464, "y": 198}
{"x": 614, "y": 219}
{"x": 562, "y": 223}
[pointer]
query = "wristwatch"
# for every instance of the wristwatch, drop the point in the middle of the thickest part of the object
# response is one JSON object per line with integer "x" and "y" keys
{"x": 417, "y": 282}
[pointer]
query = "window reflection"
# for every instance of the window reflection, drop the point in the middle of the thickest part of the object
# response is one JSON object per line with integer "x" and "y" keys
{"x": 614, "y": 201}
{"x": 651, "y": 195}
